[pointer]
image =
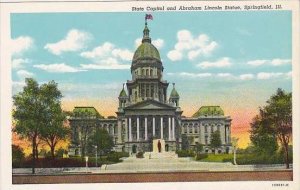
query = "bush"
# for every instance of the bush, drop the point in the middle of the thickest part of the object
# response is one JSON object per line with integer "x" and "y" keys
{"x": 17, "y": 155}
{"x": 252, "y": 159}
{"x": 140, "y": 155}
{"x": 115, "y": 156}
{"x": 201, "y": 156}
{"x": 185, "y": 153}
{"x": 50, "y": 163}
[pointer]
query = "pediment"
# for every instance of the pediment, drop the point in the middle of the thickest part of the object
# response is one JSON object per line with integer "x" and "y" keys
{"x": 150, "y": 105}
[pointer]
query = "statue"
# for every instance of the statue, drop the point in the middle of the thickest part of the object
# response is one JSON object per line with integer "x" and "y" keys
{"x": 159, "y": 146}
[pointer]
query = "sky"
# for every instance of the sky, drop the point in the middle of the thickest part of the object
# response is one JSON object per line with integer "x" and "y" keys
{"x": 233, "y": 59}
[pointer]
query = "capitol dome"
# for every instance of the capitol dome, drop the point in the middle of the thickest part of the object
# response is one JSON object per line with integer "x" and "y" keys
{"x": 146, "y": 51}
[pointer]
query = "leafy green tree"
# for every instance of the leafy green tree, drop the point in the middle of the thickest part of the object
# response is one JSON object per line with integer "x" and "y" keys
{"x": 278, "y": 112}
{"x": 28, "y": 115}
{"x": 263, "y": 140}
{"x": 199, "y": 148}
{"x": 102, "y": 140}
{"x": 53, "y": 130}
{"x": 215, "y": 141}
{"x": 273, "y": 124}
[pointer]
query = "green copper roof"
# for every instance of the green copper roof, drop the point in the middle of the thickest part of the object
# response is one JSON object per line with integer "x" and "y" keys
{"x": 146, "y": 50}
{"x": 209, "y": 111}
{"x": 86, "y": 112}
{"x": 123, "y": 93}
{"x": 174, "y": 93}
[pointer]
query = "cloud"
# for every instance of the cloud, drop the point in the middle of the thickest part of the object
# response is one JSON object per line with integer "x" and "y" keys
{"x": 175, "y": 55}
{"x": 58, "y": 68}
{"x": 191, "y": 47}
{"x": 289, "y": 74}
{"x": 225, "y": 75}
{"x": 265, "y": 76}
{"x": 191, "y": 75}
{"x": 246, "y": 76}
{"x": 24, "y": 74}
{"x": 278, "y": 62}
{"x": 75, "y": 40}
{"x": 158, "y": 43}
{"x": 257, "y": 62}
{"x": 107, "y": 56}
{"x": 19, "y": 63}
{"x": 223, "y": 62}
{"x": 274, "y": 62}
{"x": 109, "y": 63}
{"x": 21, "y": 44}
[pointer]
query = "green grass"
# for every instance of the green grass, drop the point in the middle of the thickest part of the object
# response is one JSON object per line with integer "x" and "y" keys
{"x": 217, "y": 157}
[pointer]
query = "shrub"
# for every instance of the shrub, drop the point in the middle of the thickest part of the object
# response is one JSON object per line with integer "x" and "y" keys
{"x": 185, "y": 153}
{"x": 140, "y": 155}
{"x": 201, "y": 156}
{"x": 17, "y": 155}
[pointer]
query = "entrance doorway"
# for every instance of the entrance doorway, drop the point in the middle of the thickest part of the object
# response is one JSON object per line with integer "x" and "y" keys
{"x": 167, "y": 147}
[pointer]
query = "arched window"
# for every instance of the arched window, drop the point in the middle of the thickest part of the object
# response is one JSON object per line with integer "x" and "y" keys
{"x": 190, "y": 129}
{"x": 147, "y": 72}
{"x": 196, "y": 129}
{"x": 151, "y": 72}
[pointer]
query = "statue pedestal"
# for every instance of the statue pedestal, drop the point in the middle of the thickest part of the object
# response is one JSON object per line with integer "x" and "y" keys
{"x": 155, "y": 145}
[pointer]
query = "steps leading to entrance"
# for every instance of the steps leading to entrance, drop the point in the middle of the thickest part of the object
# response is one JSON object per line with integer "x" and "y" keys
{"x": 161, "y": 155}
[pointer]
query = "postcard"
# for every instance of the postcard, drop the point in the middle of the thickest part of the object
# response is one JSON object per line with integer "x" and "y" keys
{"x": 150, "y": 94}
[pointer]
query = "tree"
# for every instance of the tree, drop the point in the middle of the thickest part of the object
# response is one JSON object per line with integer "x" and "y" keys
{"x": 278, "y": 112}
{"x": 263, "y": 140}
{"x": 38, "y": 115}
{"x": 102, "y": 140}
{"x": 215, "y": 141}
{"x": 199, "y": 148}
{"x": 53, "y": 130}
{"x": 28, "y": 115}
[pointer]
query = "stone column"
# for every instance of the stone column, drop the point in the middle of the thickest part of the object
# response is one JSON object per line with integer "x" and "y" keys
{"x": 169, "y": 128}
{"x": 146, "y": 130}
{"x": 130, "y": 134}
{"x": 161, "y": 128}
{"x": 173, "y": 128}
{"x": 153, "y": 126}
{"x": 229, "y": 135}
{"x": 225, "y": 131}
{"x": 126, "y": 137}
{"x": 137, "y": 128}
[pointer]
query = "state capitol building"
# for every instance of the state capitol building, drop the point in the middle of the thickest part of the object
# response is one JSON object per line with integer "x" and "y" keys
{"x": 147, "y": 111}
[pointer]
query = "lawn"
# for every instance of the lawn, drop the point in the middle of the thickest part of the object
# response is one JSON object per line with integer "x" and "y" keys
{"x": 217, "y": 158}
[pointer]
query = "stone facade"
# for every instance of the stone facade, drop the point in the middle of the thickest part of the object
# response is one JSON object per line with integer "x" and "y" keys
{"x": 145, "y": 113}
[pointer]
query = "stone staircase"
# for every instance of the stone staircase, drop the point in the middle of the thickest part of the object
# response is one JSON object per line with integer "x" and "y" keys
{"x": 157, "y": 155}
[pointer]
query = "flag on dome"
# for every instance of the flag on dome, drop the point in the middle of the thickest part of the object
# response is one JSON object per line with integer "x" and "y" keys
{"x": 148, "y": 17}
